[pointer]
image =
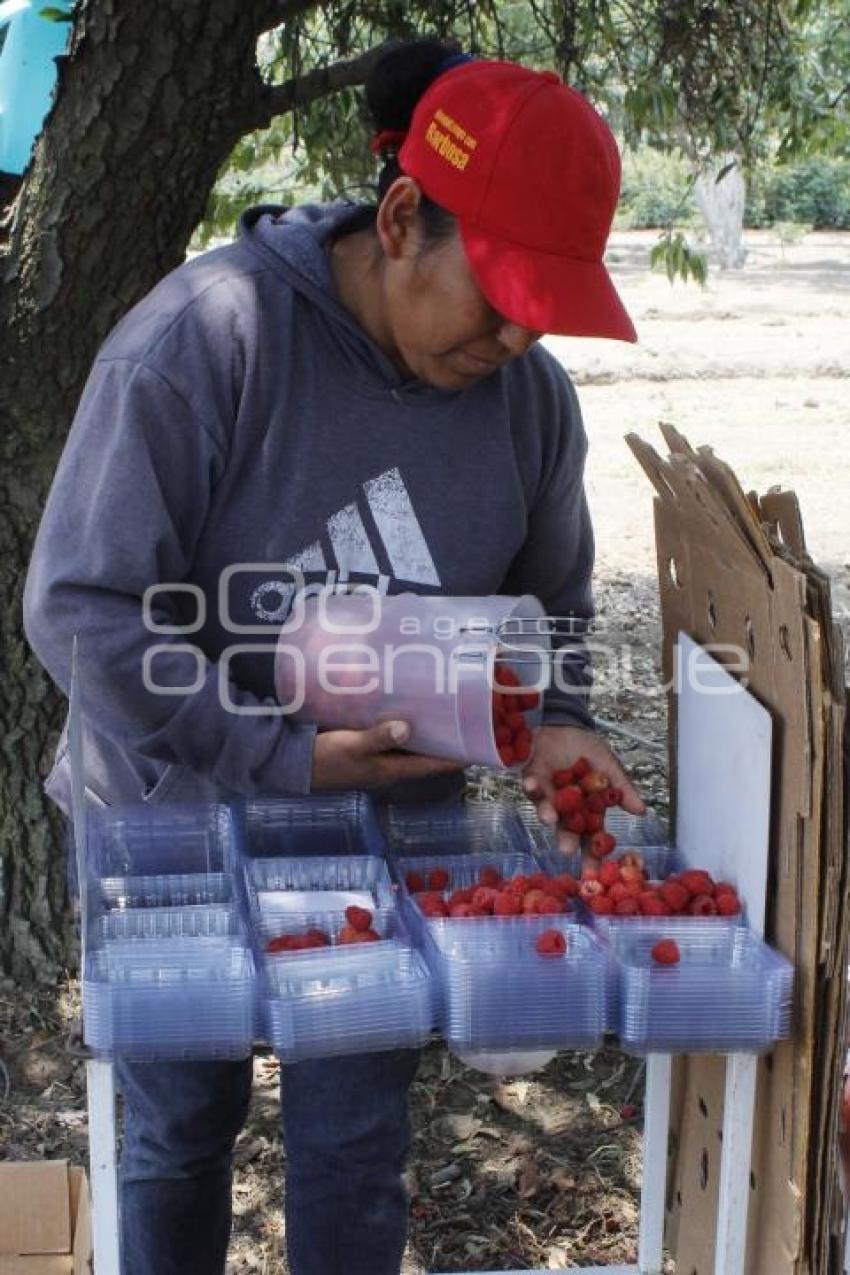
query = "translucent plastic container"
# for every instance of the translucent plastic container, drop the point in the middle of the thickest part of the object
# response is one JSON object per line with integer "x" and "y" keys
{"x": 729, "y": 992}
{"x": 495, "y": 992}
{"x": 457, "y": 828}
{"x": 498, "y": 994}
{"x": 272, "y": 827}
{"x": 347, "y": 1000}
{"x": 359, "y": 658}
{"x": 216, "y": 921}
{"x": 135, "y": 841}
{"x": 176, "y": 998}
{"x": 287, "y": 896}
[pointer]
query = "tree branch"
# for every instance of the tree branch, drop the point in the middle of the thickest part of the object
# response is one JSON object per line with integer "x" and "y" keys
{"x": 324, "y": 80}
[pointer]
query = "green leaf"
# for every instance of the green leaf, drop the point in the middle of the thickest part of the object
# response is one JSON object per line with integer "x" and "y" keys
{"x": 52, "y": 14}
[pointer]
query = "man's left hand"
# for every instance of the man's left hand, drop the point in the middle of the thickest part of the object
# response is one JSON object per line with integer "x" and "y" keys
{"x": 556, "y": 748}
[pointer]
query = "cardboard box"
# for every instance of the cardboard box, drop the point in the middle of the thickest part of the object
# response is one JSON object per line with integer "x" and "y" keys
{"x": 45, "y": 1224}
{"x": 733, "y": 570}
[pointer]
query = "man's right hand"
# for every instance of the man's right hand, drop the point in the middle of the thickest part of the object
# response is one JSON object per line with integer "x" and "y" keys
{"x": 371, "y": 758}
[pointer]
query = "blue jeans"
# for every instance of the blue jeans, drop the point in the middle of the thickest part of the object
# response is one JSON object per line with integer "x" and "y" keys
{"x": 346, "y": 1134}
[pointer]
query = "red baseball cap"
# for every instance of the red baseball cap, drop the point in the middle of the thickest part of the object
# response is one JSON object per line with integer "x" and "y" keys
{"x": 532, "y": 173}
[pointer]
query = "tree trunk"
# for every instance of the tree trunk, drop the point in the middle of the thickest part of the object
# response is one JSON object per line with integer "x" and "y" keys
{"x": 150, "y": 102}
{"x": 722, "y": 206}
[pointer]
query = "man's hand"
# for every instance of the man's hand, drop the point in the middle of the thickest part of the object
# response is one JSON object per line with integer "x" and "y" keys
{"x": 557, "y": 747}
{"x": 371, "y": 758}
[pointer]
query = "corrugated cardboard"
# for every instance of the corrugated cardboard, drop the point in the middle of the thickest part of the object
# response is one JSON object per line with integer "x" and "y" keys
{"x": 733, "y": 570}
{"x": 45, "y": 1224}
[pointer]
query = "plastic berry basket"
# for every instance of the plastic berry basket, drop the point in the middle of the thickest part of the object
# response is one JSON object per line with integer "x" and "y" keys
{"x": 327, "y": 825}
{"x": 347, "y": 999}
{"x": 160, "y": 856}
{"x": 496, "y": 992}
{"x": 169, "y": 998}
{"x": 456, "y": 828}
{"x": 287, "y": 895}
{"x": 728, "y": 993}
{"x": 151, "y": 923}
{"x": 633, "y": 832}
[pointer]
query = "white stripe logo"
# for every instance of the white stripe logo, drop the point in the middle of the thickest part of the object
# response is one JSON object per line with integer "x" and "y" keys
{"x": 399, "y": 532}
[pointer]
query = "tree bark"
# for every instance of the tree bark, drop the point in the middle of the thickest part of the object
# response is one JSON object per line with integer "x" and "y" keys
{"x": 150, "y": 102}
{"x": 722, "y": 206}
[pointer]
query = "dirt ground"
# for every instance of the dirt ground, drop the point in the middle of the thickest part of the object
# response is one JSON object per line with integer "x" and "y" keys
{"x": 543, "y": 1171}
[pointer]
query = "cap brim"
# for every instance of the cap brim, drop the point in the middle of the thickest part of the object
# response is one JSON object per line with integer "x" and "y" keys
{"x": 545, "y": 292}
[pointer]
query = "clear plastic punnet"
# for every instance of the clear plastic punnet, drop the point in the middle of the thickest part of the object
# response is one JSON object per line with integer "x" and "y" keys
{"x": 728, "y": 992}
{"x": 455, "y": 828}
{"x": 495, "y": 991}
{"x": 168, "y": 971}
{"x": 169, "y": 998}
{"x": 288, "y": 896}
{"x": 358, "y": 658}
{"x": 347, "y": 999}
{"x": 631, "y": 831}
{"x": 272, "y": 827}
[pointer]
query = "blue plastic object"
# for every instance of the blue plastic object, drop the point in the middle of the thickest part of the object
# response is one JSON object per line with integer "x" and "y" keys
{"x": 328, "y": 825}
{"x": 729, "y": 992}
{"x": 456, "y": 828}
{"x": 168, "y": 971}
{"x": 495, "y": 992}
{"x": 27, "y": 75}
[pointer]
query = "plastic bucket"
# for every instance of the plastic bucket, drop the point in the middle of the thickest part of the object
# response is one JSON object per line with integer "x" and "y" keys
{"x": 351, "y": 660}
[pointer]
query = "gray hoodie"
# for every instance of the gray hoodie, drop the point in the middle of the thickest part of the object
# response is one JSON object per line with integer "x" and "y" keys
{"x": 239, "y": 415}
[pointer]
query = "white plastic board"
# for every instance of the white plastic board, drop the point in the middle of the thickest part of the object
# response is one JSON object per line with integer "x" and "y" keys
{"x": 724, "y": 738}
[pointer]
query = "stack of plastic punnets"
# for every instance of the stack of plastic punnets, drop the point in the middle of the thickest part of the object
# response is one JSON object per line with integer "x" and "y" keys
{"x": 341, "y": 998}
{"x": 168, "y": 972}
{"x": 728, "y": 991}
{"x": 496, "y": 992}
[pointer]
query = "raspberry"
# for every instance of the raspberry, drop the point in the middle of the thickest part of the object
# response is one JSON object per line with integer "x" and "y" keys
{"x": 728, "y": 904}
{"x": 560, "y": 778}
{"x": 502, "y": 735}
{"x": 675, "y": 895}
{"x": 484, "y": 897}
{"x": 358, "y": 918}
{"x": 506, "y": 755}
{"x": 593, "y": 822}
{"x": 507, "y": 904}
{"x": 609, "y": 874}
{"x": 551, "y": 943}
{"x": 618, "y": 891}
{"x": 364, "y": 936}
{"x": 631, "y": 859}
{"x": 568, "y": 882}
{"x": 461, "y": 896}
{"x": 575, "y": 823}
{"x": 601, "y": 843}
{"x": 602, "y": 905}
{"x": 531, "y": 900}
{"x": 594, "y": 781}
{"x": 549, "y": 906}
{"x": 517, "y": 885}
{"x": 538, "y": 881}
{"x": 522, "y": 745}
{"x": 348, "y": 934}
{"x": 458, "y": 911}
{"x": 666, "y": 952}
{"x": 591, "y": 888}
{"x": 529, "y": 700}
{"x": 568, "y": 800}
{"x": 504, "y": 675}
{"x": 594, "y": 803}
{"x": 589, "y": 871}
{"x": 613, "y": 796}
{"x": 697, "y": 881}
{"x": 283, "y": 943}
{"x": 581, "y": 767}
{"x": 438, "y": 879}
{"x": 651, "y": 905}
{"x": 702, "y": 905}
{"x": 415, "y": 882}
{"x": 318, "y": 938}
{"x": 432, "y": 905}
{"x": 631, "y": 872}
{"x": 627, "y": 907}
{"x": 490, "y": 876}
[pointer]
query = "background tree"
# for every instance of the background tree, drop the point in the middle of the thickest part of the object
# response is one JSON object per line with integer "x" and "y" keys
{"x": 152, "y": 103}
